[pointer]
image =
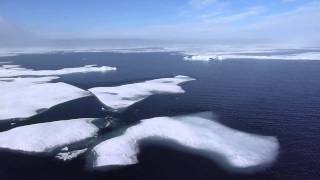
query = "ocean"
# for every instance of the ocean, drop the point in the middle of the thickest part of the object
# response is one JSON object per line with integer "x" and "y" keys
{"x": 268, "y": 97}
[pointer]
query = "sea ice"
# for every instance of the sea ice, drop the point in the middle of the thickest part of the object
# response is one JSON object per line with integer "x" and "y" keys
{"x": 5, "y": 62}
{"x": 225, "y": 56}
{"x": 120, "y": 97}
{"x": 46, "y": 137}
{"x": 199, "y": 134}
{"x": 25, "y": 97}
{"x": 16, "y": 70}
{"x": 67, "y": 156}
{"x": 202, "y": 58}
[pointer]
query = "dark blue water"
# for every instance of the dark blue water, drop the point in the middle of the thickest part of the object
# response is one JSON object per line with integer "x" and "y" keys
{"x": 277, "y": 98}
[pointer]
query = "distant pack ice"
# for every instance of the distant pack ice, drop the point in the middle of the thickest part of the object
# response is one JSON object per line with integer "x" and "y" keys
{"x": 120, "y": 97}
{"x": 225, "y": 56}
{"x": 24, "y": 97}
{"x": 198, "y": 134}
{"x": 16, "y": 70}
{"x": 45, "y": 137}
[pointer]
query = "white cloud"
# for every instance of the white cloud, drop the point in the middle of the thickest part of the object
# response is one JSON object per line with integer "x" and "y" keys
{"x": 252, "y": 11}
{"x": 199, "y": 4}
{"x": 298, "y": 25}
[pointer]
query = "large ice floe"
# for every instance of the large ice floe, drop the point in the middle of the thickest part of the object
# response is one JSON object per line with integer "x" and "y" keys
{"x": 198, "y": 134}
{"x": 25, "y": 97}
{"x": 120, "y": 97}
{"x": 16, "y": 70}
{"x": 46, "y": 137}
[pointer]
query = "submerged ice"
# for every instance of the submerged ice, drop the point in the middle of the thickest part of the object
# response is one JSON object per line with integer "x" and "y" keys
{"x": 25, "y": 97}
{"x": 197, "y": 133}
{"x": 121, "y": 97}
{"x": 45, "y": 137}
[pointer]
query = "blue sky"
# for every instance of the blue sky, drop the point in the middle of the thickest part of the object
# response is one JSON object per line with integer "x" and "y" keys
{"x": 162, "y": 19}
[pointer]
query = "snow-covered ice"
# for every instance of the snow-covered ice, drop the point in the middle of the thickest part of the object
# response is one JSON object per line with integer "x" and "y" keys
{"x": 46, "y": 137}
{"x": 198, "y": 134}
{"x": 24, "y": 97}
{"x": 16, "y": 70}
{"x": 120, "y": 97}
{"x": 67, "y": 156}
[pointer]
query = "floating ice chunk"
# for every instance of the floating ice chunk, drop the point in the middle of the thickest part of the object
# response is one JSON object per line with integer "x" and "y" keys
{"x": 121, "y": 97}
{"x": 24, "y": 97}
{"x": 67, "y": 156}
{"x": 45, "y": 137}
{"x": 65, "y": 148}
{"x": 16, "y": 70}
{"x": 203, "y": 58}
{"x": 232, "y": 149}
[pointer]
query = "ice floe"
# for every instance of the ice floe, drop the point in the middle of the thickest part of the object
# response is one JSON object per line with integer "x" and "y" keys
{"x": 199, "y": 134}
{"x": 46, "y": 137}
{"x": 120, "y": 49}
{"x": 25, "y": 97}
{"x": 203, "y": 58}
{"x": 225, "y": 56}
{"x": 16, "y": 70}
{"x": 120, "y": 97}
{"x": 67, "y": 156}
{"x": 5, "y": 62}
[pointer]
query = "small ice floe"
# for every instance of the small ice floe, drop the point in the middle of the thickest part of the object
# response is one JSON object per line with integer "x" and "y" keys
{"x": 46, "y": 137}
{"x": 67, "y": 156}
{"x": 203, "y": 58}
{"x": 120, "y": 97}
{"x": 16, "y": 70}
{"x": 25, "y": 97}
{"x": 65, "y": 149}
{"x": 198, "y": 134}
